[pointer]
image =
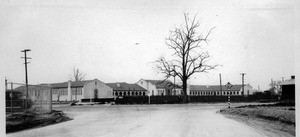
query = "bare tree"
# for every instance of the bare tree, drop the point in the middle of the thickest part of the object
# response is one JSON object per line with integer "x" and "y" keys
{"x": 78, "y": 75}
{"x": 189, "y": 56}
{"x": 275, "y": 88}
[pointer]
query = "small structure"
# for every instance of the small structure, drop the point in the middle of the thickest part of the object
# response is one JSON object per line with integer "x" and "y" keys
{"x": 121, "y": 89}
{"x": 159, "y": 87}
{"x": 214, "y": 90}
{"x": 78, "y": 90}
{"x": 39, "y": 98}
{"x": 288, "y": 89}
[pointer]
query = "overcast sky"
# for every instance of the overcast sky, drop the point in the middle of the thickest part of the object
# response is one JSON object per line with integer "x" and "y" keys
{"x": 99, "y": 36}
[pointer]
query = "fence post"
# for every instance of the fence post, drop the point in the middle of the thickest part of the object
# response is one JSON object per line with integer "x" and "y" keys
{"x": 11, "y": 96}
{"x": 50, "y": 100}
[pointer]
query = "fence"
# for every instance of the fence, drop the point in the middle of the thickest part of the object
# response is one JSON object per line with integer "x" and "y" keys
{"x": 21, "y": 98}
{"x": 193, "y": 99}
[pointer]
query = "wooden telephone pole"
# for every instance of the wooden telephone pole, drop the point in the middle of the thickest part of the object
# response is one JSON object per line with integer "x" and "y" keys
{"x": 26, "y": 75}
{"x": 243, "y": 90}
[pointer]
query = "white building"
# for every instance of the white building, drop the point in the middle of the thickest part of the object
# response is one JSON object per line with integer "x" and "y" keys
{"x": 209, "y": 90}
{"x": 159, "y": 87}
{"x": 77, "y": 90}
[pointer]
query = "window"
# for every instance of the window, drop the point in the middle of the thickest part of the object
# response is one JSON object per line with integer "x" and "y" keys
{"x": 80, "y": 91}
{"x": 95, "y": 82}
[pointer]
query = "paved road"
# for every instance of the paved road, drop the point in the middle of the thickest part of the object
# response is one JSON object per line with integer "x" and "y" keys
{"x": 145, "y": 121}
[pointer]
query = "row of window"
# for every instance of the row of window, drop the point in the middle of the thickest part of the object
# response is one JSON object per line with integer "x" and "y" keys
{"x": 38, "y": 92}
{"x": 129, "y": 93}
{"x": 64, "y": 91}
{"x": 201, "y": 93}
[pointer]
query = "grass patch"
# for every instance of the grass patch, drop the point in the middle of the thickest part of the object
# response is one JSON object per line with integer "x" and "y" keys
{"x": 26, "y": 120}
{"x": 283, "y": 114}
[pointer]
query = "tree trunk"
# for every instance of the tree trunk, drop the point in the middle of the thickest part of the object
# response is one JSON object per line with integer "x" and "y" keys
{"x": 184, "y": 88}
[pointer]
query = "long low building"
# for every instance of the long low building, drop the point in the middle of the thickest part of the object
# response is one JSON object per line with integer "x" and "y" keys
{"x": 215, "y": 90}
{"x": 78, "y": 90}
{"x": 121, "y": 89}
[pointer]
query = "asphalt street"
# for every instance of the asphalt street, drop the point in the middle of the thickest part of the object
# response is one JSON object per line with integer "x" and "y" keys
{"x": 189, "y": 120}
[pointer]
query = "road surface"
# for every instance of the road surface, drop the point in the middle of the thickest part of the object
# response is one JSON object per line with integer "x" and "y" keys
{"x": 180, "y": 120}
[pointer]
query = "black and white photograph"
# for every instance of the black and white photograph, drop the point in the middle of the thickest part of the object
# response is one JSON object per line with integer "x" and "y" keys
{"x": 149, "y": 68}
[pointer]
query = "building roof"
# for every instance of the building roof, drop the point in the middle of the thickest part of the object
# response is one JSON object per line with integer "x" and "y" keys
{"x": 124, "y": 86}
{"x": 288, "y": 82}
{"x": 32, "y": 87}
{"x": 213, "y": 87}
{"x": 73, "y": 84}
{"x": 160, "y": 83}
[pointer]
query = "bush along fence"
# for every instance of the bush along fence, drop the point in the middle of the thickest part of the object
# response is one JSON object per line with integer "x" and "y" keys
{"x": 145, "y": 100}
{"x": 192, "y": 99}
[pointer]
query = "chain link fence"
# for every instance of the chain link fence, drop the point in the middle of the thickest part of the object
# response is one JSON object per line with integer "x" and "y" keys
{"x": 21, "y": 98}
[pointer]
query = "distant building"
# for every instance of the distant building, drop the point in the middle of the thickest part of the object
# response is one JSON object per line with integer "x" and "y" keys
{"x": 288, "y": 89}
{"x": 35, "y": 92}
{"x": 159, "y": 87}
{"x": 124, "y": 89}
{"x": 77, "y": 90}
{"x": 215, "y": 90}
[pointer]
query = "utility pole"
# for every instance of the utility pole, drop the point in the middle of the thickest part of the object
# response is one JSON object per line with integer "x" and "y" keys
{"x": 220, "y": 83}
{"x": 26, "y": 75}
{"x": 243, "y": 90}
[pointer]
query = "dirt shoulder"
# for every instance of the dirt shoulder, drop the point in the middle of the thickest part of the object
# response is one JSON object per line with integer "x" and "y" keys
{"x": 22, "y": 121}
{"x": 280, "y": 120}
